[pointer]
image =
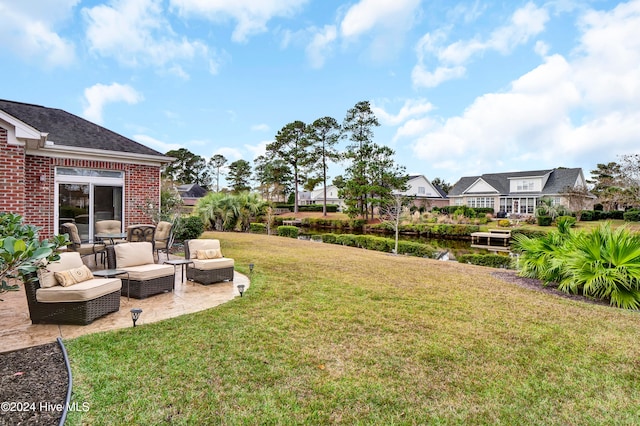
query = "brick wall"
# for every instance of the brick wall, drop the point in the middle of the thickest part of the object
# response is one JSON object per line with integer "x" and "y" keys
{"x": 12, "y": 166}
{"x": 141, "y": 183}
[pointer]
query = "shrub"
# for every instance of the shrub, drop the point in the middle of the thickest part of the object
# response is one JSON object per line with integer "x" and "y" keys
{"x": 491, "y": 260}
{"x": 587, "y": 215}
{"x": 545, "y": 220}
{"x": 504, "y": 223}
{"x": 632, "y": 215}
{"x": 372, "y": 242}
{"x": 565, "y": 221}
{"x": 288, "y": 231}
{"x": 190, "y": 227}
{"x": 258, "y": 228}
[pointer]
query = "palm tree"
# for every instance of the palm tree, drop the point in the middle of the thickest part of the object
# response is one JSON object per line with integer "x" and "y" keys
{"x": 605, "y": 264}
{"x": 548, "y": 208}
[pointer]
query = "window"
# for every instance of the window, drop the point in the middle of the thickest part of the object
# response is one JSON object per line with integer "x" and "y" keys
{"x": 421, "y": 190}
{"x": 525, "y": 185}
{"x": 481, "y": 202}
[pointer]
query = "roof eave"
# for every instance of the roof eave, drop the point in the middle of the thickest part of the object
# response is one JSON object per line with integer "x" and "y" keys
{"x": 63, "y": 151}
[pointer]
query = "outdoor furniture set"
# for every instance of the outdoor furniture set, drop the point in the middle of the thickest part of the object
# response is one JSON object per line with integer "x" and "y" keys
{"x": 67, "y": 292}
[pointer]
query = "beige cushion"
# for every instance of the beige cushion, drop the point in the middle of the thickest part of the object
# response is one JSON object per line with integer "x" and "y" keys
{"x": 68, "y": 260}
{"x": 108, "y": 227}
{"x": 163, "y": 229}
{"x": 148, "y": 272}
{"x": 202, "y": 244}
{"x": 87, "y": 290}
{"x": 209, "y": 264}
{"x": 73, "y": 276}
{"x": 133, "y": 254}
{"x": 208, "y": 254}
{"x": 72, "y": 229}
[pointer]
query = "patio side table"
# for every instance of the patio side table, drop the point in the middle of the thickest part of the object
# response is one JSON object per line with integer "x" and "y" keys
{"x": 178, "y": 262}
{"x": 112, "y": 273}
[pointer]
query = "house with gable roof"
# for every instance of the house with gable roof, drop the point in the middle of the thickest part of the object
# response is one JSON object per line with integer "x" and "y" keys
{"x": 59, "y": 167}
{"x": 519, "y": 192}
{"x": 424, "y": 193}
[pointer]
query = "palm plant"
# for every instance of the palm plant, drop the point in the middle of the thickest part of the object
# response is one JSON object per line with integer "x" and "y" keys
{"x": 548, "y": 208}
{"x": 539, "y": 257}
{"x": 605, "y": 264}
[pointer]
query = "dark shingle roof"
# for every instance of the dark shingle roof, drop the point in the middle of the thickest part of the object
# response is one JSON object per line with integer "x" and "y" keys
{"x": 67, "y": 129}
{"x": 559, "y": 180}
{"x": 191, "y": 190}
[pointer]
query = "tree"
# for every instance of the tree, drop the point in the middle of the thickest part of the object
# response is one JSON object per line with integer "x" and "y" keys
{"x": 187, "y": 168}
{"x": 292, "y": 146}
{"x": 358, "y": 125}
{"x": 324, "y": 134}
{"x": 239, "y": 176}
{"x": 440, "y": 183}
{"x": 630, "y": 172}
{"x": 392, "y": 212}
{"x": 577, "y": 199}
{"x": 274, "y": 177}
{"x": 216, "y": 162}
{"x": 608, "y": 185}
{"x": 22, "y": 252}
{"x": 384, "y": 176}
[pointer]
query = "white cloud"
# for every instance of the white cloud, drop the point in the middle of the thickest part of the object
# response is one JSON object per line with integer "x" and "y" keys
{"x": 29, "y": 30}
{"x": 156, "y": 144}
{"x": 260, "y": 127}
{"x": 251, "y": 16}
{"x": 97, "y": 96}
{"x": 231, "y": 154}
{"x": 411, "y": 108}
{"x": 369, "y": 14}
{"x": 258, "y": 149}
{"x": 565, "y": 112}
{"x": 320, "y": 45}
{"x": 524, "y": 24}
{"x": 136, "y": 33}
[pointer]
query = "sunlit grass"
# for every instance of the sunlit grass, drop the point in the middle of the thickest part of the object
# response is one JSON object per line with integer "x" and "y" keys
{"x": 330, "y": 334}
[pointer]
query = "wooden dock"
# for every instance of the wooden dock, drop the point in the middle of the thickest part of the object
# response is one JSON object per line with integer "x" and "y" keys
{"x": 495, "y": 239}
{"x": 294, "y": 222}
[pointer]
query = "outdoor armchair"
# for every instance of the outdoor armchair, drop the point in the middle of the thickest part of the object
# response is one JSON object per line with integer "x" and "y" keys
{"x": 163, "y": 238}
{"x": 141, "y": 233}
{"x": 107, "y": 227}
{"x": 84, "y": 248}
{"x": 146, "y": 278}
{"x": 70, "y": 300}
{"x": 209, "y": 266}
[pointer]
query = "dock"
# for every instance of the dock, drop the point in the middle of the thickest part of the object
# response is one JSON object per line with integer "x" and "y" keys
{"x": 495, "y": 239}
{"x": 294, "y": 222}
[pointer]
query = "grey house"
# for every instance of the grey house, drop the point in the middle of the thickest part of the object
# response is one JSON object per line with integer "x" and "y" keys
{"x": 520, "y": 192}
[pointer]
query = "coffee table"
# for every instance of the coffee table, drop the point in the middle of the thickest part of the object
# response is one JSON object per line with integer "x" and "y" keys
{"x": 178, "y": 262}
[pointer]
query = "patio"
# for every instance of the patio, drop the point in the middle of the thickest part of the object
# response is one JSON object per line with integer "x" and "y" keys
{"x": 18, "y": 332}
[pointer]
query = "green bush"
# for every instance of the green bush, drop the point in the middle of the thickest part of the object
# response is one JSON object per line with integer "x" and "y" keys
{"x": 258, "y": 228}
{"x": 190, "y": 227}
{"x": 531, "y": 233}
{"x": 288, "y": 231}
{"x": 544, "y": 220}
{"x": 588, "y": 215}
{"x": 372, "y": 242}
{"x": 569, "y": 221}
{"x": 331, "y": 208}
{"x": 447, "y": 230}
{"x": 491, "y": 260}
{"x": 632, "y": 215}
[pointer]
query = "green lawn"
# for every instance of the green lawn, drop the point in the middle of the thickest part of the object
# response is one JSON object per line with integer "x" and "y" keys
{"x": 329, "y": 334}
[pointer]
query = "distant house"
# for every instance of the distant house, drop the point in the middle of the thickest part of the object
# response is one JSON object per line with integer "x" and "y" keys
{"x": 424, "y": 193}
{"x": 191, "y": 193}
{"x": 519, "y": 192}
{"x": 317, "y": 197}
{"x": 57, "y": 167}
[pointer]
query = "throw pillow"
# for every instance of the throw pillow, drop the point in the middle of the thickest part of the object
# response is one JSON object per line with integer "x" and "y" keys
{"x": 47, "y": 278}
{"x": 208, "y": 254}
{"x": 73, "y": 276}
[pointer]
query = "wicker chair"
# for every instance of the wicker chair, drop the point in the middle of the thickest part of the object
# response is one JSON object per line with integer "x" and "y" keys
{"x": 43, "y": 309}
{"x": 207, "y": 271}
{"x": 146, "y": 278}
{"x": 77, "y": 245}
{"x": 141, "y": 233}
{"x": 163, "y": 238}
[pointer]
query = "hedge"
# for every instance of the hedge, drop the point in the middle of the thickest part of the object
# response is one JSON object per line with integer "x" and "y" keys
{"x": 331, "y": 208}
{"x": 371, "y": 242}
{"x": 433, "y": 230}
{"x": 258, "y": 228}
{"x": 288, "y": 231}
{"x": 632, "y": 215}
{"x": 333, "y": 223}
{"x": 491, "y": 260}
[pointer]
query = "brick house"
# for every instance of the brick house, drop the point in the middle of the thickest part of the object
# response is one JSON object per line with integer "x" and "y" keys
{"x": 58, "y": 167}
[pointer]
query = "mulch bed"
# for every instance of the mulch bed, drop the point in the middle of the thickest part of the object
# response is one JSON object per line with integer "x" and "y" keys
{"x": 35, "y": 379}
{"x": 33, "y": 385}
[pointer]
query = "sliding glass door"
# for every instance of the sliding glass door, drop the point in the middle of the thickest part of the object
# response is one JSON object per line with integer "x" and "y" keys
{"x": 86, "y": 196}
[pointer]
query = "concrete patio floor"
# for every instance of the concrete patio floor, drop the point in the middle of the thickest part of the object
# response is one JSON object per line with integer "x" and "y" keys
{"x": 17, "y": 332}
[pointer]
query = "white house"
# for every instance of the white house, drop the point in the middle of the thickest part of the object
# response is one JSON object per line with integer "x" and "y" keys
{"x": 424, "y": 193}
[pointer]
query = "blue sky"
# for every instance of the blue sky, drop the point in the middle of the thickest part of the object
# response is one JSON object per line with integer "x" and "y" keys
{"x": 460, "y": 88}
